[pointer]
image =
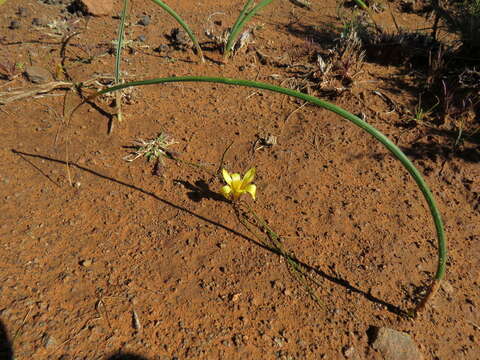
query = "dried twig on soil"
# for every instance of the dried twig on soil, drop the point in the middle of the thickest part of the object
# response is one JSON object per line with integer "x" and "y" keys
{"x": 8, "y": 97}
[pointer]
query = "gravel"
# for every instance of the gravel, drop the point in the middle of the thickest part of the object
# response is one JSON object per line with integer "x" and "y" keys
{"x": 144, "y": 20}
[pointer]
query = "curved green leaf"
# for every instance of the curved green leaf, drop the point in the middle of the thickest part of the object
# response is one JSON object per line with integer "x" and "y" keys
{"x": 395, "y": 150}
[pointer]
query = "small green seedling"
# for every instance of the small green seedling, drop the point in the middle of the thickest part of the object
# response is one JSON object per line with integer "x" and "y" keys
{"x": 420, "y": 114}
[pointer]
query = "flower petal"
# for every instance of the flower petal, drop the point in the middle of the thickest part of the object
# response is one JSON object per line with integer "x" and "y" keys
{"x": 227, "y": 177}
{"x": 236, "y": 177}
{"x": 248, "y": 177}
{"x": 251, "y": 189}
{"x": 226, "y": 191}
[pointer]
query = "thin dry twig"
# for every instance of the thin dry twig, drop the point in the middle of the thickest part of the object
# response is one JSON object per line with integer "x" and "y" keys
{"x": 10, "y": 96}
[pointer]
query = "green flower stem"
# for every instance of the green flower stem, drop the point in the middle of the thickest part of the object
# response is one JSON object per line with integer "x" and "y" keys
{"x": 118, "y": 58}
{"x": 395, "y": 150}
{"x": 275, "y": 244}
{"x": 182, "y": 23}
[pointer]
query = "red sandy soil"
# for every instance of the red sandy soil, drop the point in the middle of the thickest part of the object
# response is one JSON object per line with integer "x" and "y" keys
{"x": 88, "y": 239}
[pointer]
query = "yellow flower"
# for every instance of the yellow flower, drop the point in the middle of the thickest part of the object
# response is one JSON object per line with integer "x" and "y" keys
{"x": 238, "y": 186}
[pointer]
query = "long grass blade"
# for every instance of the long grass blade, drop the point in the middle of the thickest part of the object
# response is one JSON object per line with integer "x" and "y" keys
{"x": 118, "y": 58}
{"x": 241, "y": 21}
{"x": 245, "y": 9}
{"x": 361, "y": 4}
{"x": 394, "y": 149}
{"x": 185, "y": 27}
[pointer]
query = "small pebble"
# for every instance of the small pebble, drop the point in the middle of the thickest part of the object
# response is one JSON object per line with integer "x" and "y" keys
{"x": 238, "y": 339}
{"x": 38, "y": 22}
{"x": 447, "y": 287}
{"x": 278, "y": 341}
{"x": 235, "y": 297}
{"x": 161, "y": 48}
{"x": 142, "y": 38}
{"x": 22, "y": 12}
{"x": 86, "y": 263}
{"x": 48, "y": 341}
{"x": 14, "y": 25}
{"x": 348, "y": 352}
{"x": 144, "y": 20}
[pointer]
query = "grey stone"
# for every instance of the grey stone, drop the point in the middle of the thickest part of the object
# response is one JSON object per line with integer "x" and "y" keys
{"x": 144, "y": 20}
{"x": 38, "y": 75}
{"x": 395, "y": 345}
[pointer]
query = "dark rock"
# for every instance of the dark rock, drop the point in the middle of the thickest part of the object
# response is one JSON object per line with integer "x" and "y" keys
{"x": 14, "y": 25}
{"x": 142, "y": 38}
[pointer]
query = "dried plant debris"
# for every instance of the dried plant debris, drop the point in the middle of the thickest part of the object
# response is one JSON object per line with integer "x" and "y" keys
{"x": 348, "y": 55}
{"x": 330, "y": 71}
{"x": 129, "y": 95}
{"x": 8, "y": 70}
{"x": 470, "y": 78}
{"x": 264, "y": 141}
{"x": 302, "y": 3}
{"x": 156, "y": 149}
{"x": 220, "y": 37}
{"x": 179, "y": 39}
{"x": 217, "y": 36}
{"x": 243, "y": 41}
